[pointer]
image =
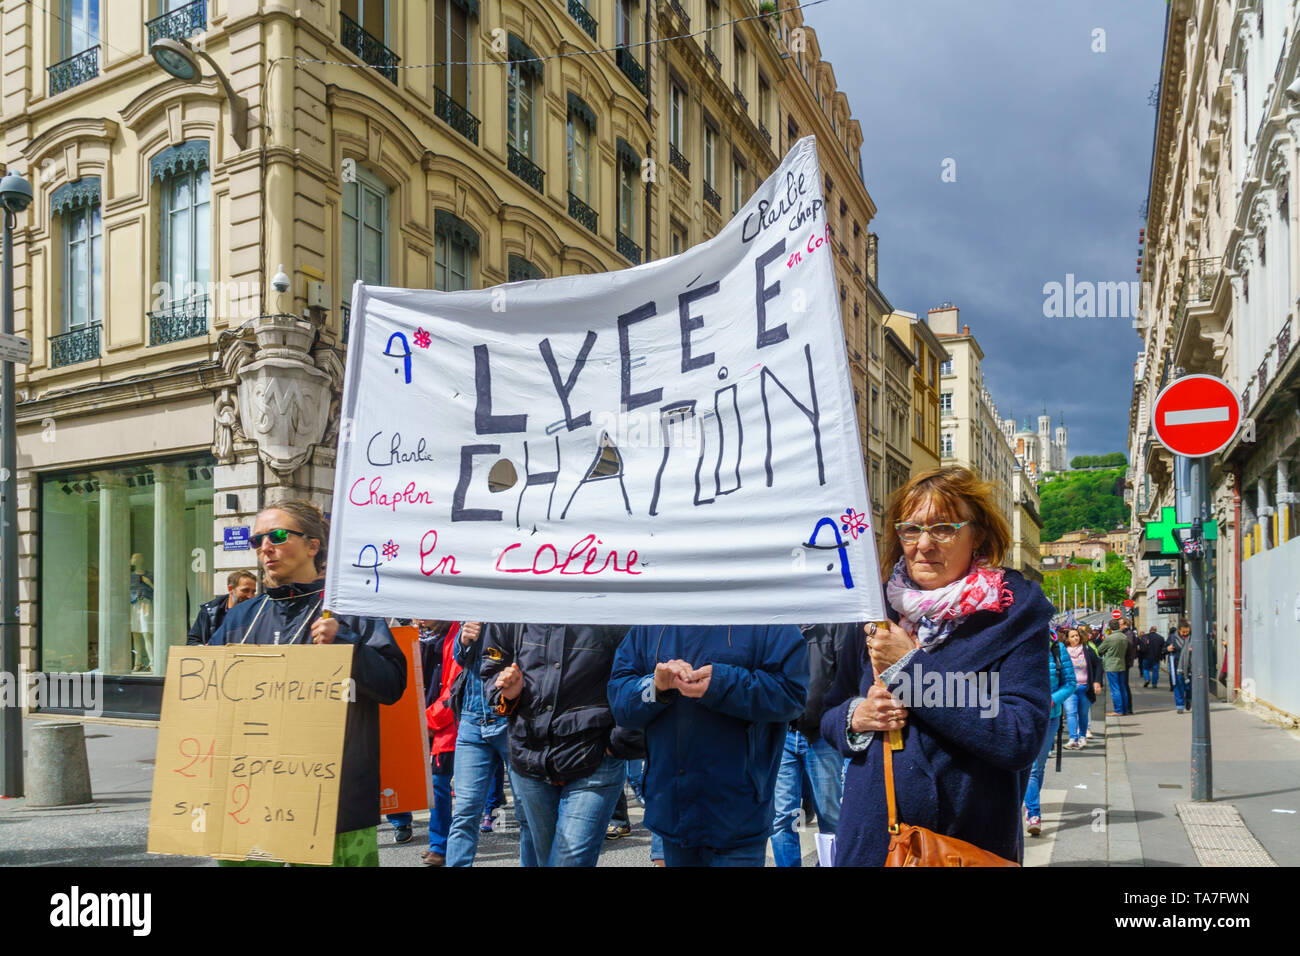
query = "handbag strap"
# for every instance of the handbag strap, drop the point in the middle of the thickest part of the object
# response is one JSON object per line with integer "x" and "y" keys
{"x": 889, "y": 781}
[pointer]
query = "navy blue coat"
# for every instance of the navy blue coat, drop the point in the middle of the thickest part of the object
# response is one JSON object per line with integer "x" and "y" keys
{"x": 378, "y": 672}
{"x": 960, "y": 774}
{"x": 711, "y": 762}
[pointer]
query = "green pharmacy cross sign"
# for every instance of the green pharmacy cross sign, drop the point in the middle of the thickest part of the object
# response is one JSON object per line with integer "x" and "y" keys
{"x": 1165, "y": 527}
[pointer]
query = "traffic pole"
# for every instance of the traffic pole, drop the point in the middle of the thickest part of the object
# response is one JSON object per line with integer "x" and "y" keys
{"x": 1190, "y": 504}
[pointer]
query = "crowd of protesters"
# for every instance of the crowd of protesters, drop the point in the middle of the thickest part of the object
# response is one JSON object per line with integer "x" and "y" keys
{"x": 731, "y": 736}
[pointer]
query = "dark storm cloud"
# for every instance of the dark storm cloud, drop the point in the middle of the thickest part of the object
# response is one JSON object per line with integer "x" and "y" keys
{"x": 1052, "y": 144}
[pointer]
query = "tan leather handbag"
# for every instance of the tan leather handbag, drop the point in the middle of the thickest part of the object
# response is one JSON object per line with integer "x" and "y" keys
{"x": 916, "y": 846}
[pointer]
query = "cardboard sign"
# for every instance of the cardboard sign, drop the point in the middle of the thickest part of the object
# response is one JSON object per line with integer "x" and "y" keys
{"x": 405, "y": 779}
{"x": 673, "y": 443}
{"x": 250, "y": 746}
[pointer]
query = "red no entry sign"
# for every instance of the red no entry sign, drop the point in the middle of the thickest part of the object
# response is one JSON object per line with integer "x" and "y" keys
{"x": 1196, "y": 415}
{"x": 1115, "y": 614}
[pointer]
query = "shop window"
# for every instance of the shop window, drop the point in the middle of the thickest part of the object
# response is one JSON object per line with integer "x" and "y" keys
{"x": 126, "y": 559}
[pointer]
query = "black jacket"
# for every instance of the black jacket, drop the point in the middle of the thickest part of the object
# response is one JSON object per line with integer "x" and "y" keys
{"x": 378, "y": 673}
{"x": 211, "y": 614}
{"x": 561, "y": 723}
{"x": 1096, "y": 670}
{"x": 826, "y": 644}
{"x": 1152, "y": 647}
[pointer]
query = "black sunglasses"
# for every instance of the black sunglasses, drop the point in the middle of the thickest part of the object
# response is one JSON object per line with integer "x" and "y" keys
{"x": 277, "y": 536}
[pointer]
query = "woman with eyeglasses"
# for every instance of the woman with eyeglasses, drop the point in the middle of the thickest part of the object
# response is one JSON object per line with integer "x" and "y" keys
{"x": 960, "y": 670}
{"x": 291, "y": 539}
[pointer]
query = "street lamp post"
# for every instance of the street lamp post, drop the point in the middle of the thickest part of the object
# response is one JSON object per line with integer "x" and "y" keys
{"x": 15, "y": 196}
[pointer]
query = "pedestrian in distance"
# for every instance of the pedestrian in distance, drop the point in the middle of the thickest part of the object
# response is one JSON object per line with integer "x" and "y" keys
{"x": 1062, "y": 684}
{"x": 291, "y": 539}
{"x": 1150, "y": 650}
{"x": 1170, "y": 656}
{"x": 568, "y": 757}
{"x": 715, "y": 703}
{"x": 1177, "y": 651}
{"x": 1130, "y": 658}
{"x": 240, "y": 586}
{"x": 1087, "y": 675}
{"x": 482, "y": 747}
{"x": 956, "y": 617}
{"x": 1115, "y": 652}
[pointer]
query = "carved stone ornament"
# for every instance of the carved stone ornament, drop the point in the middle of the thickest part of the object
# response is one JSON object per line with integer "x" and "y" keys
{"x": 282, "y": 399}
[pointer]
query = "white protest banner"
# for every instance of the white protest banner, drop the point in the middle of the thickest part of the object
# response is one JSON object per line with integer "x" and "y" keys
{"x": 673, "y": 443}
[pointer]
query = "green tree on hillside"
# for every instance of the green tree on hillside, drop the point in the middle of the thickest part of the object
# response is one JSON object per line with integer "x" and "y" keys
{"x": 1091, "y": 499}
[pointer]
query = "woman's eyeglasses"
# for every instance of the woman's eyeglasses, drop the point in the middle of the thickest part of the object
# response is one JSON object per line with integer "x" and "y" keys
{"x": 910, "y": 533}
{"x": 275, "y": 535}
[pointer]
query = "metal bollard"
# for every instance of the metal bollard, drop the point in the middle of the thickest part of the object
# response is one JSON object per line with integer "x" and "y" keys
{"x": 58, "y": 774}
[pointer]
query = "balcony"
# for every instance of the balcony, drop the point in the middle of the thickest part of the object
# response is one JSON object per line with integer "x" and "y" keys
{"x": 740, "y": 97}
{"x": 685, "y": 17}
{"x": 1202, "y": 275}
{"x": 455, "y": 115}
{"x": 1284, "y": 343}
{"x": 525, "y": 168}
{"x": 585, "y": 20}
{"x": 179, "y": 24}
{"x": 75, "y": 70}
{"x": 765, "y": 133}
{"x": 71, "y": 348}
{"x": 583, "y": 213}
{"x": 629, "y": 250}
{"x": 712, "y": 57}
{"x": 678, "y": 161}
{"x": 712, "y": 198}
{"x": 369, "y": 49}
{"x": 633, "y": 70}
{"x": 181, "y": 320}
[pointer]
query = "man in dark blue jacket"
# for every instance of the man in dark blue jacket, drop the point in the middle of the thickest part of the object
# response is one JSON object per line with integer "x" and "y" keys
{"x": 715, "y": 703}
{"x": 241, "y": 586}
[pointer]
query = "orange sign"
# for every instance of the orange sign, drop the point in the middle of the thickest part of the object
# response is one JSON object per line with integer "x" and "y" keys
{"x": 405, "y": 783}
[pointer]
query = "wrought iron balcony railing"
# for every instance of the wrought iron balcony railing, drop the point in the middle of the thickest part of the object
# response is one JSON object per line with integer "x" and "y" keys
{"x": 455, "y": 115}
{"x": 585, "y": 20}
{"x": 180, "y": 23}
{"x": 180, "y": 320}
{"x": 712, "y": 57}
{"x": 686, "y": 18}
{"x": 1284, "y": 342}
{"x": 744, "y": 102}
{"x": 712, "y": 198}
{"x": 633, "y": 70}
{"x": 525, "y": 168}
{"x": 79, "y": 345}
{"x": 765, "y": 133}
{"x": 629, "y": 250}
{"x": 580, "y": 211}
{"x": 369, "y": 48}
{"x": 678, "y": 161}
{"x": 1262, "y": 376}
{"x": 345, "y": 315}
{"x": 1202, "y": 275}
{"x": 74, "y": 71}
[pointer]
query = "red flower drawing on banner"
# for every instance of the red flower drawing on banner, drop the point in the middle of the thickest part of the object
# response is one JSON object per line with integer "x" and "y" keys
{"x": 853, "y": 523}
{"x": 390, "y": 549}
{"x": 422, "y": 338}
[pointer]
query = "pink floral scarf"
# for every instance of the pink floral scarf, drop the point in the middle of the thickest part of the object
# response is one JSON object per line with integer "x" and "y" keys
{"x": 931, "y": 616}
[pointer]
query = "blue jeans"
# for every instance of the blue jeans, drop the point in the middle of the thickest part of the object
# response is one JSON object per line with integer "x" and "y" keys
{"x": 399, "y": 820}
{"x": 440, "y": 813}
{"x": 656, "y": 847}
{"x": 1119, "y": 701}
{"x": 1077, "y": 711}
{"x": 476, "y": 759}
{"x": 1151, "y": 672}
{"x": 1036, "y": 773}
{"x": 1182, "y": 692}
{"x": 635, "y": 771}
{"x": 824, "y": 768}
{"x": 754, "y": 854}
{"x": 567, "y": 823}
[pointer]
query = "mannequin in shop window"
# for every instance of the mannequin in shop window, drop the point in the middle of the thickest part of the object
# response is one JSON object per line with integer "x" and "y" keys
{"x": 141, "y": 613}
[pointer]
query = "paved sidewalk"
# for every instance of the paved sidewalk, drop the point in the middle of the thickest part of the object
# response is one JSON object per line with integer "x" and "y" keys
{"x": 1256, "y": 768}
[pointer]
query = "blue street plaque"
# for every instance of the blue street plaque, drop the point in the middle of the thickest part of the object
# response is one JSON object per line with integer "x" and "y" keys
{"x": 1162, "y": 570}
{"x": 234, "y": 539}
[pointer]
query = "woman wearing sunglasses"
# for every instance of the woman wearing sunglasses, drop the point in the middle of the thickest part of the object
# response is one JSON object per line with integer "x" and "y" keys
{"x": 291, "y": 539}
{"x": 960, "y": 670}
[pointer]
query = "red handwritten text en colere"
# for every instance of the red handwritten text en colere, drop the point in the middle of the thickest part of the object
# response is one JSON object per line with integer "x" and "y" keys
{"x": 373, "y": 495}
{"x": 585, "y": 551}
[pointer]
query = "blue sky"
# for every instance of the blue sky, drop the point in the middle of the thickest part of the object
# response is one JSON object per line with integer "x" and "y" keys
{"x": 1052, "y": 150}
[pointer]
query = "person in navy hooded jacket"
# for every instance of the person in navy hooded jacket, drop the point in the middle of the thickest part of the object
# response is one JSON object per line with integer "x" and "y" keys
{"x": 714, "y": 703}
{"x": 964, "y": 669}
